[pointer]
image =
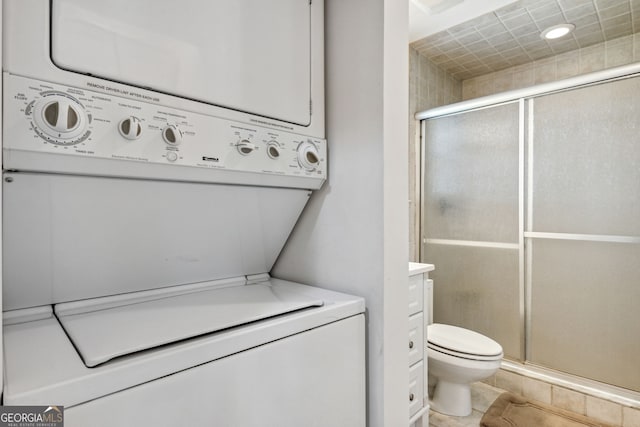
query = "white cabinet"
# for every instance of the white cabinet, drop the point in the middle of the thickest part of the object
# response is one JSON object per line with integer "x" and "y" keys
{"x": 420, "y": 309}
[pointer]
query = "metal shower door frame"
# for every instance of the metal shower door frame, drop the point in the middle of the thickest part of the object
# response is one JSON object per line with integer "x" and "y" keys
{"x": 526, "y": 100}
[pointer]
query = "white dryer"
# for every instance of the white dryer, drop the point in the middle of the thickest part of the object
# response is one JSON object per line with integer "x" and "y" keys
{"x": 140, "y": 223}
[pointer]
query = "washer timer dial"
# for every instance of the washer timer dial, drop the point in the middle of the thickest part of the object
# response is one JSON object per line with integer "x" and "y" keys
{"x": 60, "y": 119}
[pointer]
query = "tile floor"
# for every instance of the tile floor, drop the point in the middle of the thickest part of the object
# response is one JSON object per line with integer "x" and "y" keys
{"x": 482, "y": 396}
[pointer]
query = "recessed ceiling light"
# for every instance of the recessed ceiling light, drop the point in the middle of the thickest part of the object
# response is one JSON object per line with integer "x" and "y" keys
{"x": 557, "y": 31}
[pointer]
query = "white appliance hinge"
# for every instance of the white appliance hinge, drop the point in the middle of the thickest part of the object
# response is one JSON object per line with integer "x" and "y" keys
{"x": 257, "y": 278}
{"x": 23, "y": 315}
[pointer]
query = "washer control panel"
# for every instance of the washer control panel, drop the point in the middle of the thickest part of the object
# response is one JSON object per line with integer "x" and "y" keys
{"x": 48, "y": 118}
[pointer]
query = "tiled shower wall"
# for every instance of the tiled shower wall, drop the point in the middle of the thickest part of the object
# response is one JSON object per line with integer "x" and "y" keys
{"x": 429, "y": 86}
{"x": 620, "y": 51}
{"x": 606, "y": 411}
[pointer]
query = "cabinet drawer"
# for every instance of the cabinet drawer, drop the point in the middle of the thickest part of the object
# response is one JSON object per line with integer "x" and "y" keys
{"x": 416, "y": 293}
{"x": 416, "y": 338}
{"x": 416, "y": 388}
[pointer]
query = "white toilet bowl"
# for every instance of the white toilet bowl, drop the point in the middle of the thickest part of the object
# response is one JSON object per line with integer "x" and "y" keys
{"x": 458, "y": 357}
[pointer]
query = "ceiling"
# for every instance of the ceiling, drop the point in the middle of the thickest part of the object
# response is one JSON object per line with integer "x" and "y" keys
{"x": 510, "y": 35}
{"x": 428, "y": 17}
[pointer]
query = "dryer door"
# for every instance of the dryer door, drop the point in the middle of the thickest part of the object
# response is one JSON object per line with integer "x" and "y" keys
{"x": 251, "y": 55}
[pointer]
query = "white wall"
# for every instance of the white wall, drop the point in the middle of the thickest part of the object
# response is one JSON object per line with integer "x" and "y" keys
{"x": 1, "y": 340}
{"x": 352, "y": 236}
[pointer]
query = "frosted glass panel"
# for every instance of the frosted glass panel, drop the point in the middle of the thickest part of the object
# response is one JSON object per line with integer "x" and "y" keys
{"x": 587, "y": 160}
{"x": 477, "y": 288}
{"x": 582, "y": 157}
{"x": 471, "y": 175}
{"x": 585, "y": 305}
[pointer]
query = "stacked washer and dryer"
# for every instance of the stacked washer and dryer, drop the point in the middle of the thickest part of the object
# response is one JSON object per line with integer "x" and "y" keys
{"x": 156, "y": 156}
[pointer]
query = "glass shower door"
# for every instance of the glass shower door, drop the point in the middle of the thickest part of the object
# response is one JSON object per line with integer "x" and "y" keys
{"x": 471, "y": 229}
{"x": 583, "y": 228}
{"x": 531, "y": 214}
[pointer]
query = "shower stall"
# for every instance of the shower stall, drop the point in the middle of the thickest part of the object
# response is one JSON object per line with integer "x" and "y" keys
{"x": 531, "y": 214}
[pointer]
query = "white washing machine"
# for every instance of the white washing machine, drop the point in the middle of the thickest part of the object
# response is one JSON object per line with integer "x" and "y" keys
{"x": 140, "y": 225}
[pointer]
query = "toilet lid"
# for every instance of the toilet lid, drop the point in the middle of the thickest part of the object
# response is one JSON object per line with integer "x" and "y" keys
{"x": 462, "y": 341}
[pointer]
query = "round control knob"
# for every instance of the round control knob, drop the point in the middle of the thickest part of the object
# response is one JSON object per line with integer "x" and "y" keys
{"x": 172, "y": 156}
{"x": 60, "y": 118}
{"x": 130, "y": 128}
{"x": 172, "y": 135}
{"x": 273, "y": 150}
{"x": 308, "y": 156}
{"x": 245, "y": 147}
{"x": 61, "y": 115}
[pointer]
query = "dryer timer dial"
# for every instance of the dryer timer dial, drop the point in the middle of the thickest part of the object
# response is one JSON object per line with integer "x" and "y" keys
{"x": 172, "y": 135}
{"x": 60, "y": 118}
{"x": 130, "y": 128}
{"x": 308, "y": 156}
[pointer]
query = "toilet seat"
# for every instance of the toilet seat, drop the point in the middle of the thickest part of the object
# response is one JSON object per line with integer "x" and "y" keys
{"x": 463, "y": 343}
{"x": 459, "y": 355}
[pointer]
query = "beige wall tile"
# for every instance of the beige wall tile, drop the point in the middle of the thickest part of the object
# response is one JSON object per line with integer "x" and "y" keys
{"x": 503, "y": 81}
{"x": 544, "y": 73}
{"x": 451, "y": 94}
{"x": 509, "y": 381}
{"x": 522, "y": 67}
{"x": 593, "y": 49}
{"x": 604, "y": 410}
{"x": 536, "y": 390}
{"x": 491, "y": 380}
{"x": 479, "y": 86}
{"x": 630, "y": 417}
{"x": 619, "y": 53}
{"x": 457, "y": 91}
{"x": 619, "y": 40}
{"x": 568, "y": 399}
{"x": 523, "y": 78}
{"x": 429, "y": 86}
{"x": 591, "y": 62}
{"x": 592, "y": 58}
{"x": 636, "y": 47}
{"x": 544, "y": 62}
{"x": 484, "y": 86}
{"x": 568, "y": 68}
{"x": 600, "y": 409}
{"x": 469, "y": 89}
{"x": 568, "y": 65}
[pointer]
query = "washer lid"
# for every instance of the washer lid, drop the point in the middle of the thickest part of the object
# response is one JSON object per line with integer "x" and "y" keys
{"x": 462, "y": 340}
{"x": 106, "y": 331}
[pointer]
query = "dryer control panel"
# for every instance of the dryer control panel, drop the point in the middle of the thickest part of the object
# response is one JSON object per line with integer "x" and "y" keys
{"x": 52, "y": 128}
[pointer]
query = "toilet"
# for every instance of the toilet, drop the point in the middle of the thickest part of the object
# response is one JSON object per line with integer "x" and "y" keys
{"x": 458, "y": 357}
